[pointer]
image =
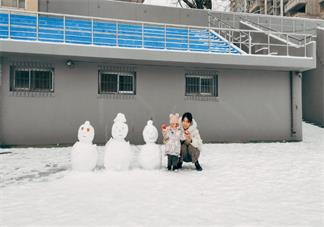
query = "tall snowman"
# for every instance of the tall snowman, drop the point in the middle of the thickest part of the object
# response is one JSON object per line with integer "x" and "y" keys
{"x": 84, "y": 154}
{"x": 150, "y": 153}
{"x": 118, "y": 153}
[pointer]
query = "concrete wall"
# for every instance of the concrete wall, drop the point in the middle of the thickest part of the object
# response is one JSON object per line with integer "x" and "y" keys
{"x": 162, "y": 14}
{"x": 313, "y": 80}
{"x": 313, "y": 86}
{"x": 127, "y": 11}
{"x": 32, "y": 5}
{"x": 253, "y": 105}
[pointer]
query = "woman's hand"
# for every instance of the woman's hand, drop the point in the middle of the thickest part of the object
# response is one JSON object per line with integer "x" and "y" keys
{"x": 188, "y": 136}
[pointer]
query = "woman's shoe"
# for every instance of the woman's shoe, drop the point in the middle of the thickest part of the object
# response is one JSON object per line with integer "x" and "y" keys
{"x": 179, "y": 165}
{"x": 198, "y": 167}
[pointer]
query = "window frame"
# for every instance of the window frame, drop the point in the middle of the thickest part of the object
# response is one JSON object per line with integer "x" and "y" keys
{"x": 119, "y": 92}
{"x": 14, "y": 7}
{"x": 14, "y": 81}
{"x": 30, "y": 88}
{"x": 213, "y": 77}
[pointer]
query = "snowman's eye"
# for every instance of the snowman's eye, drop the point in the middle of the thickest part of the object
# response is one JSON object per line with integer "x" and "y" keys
{"x": 88, "y": 129}
{"x": 82, "y": 128}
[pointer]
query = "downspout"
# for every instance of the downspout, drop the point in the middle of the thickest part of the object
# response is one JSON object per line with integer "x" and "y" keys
{"x": 295, "y": 106}
{"x": 1, "y": 138}
{"x": 291, "y": 85}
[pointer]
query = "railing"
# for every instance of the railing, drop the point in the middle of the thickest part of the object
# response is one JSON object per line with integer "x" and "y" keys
{"x": 285, "y": 39}
{"x": 295, "y": 40}
{"x": 72, "y": 29}
{"x": 268, "y": 43}
{"x": 278, "y": 23}
{"x": 242, "y": 38}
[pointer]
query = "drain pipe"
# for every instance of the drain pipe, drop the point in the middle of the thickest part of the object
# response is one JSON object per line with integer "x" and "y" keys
{"x": 0, "y": 72}
{"x": 295, "y": 79}
{"x": 1, "y": 107}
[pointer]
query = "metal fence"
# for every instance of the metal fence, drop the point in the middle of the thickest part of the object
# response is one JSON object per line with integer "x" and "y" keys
{"x": 276, "y": 23}
{"x": 72, "y": 29}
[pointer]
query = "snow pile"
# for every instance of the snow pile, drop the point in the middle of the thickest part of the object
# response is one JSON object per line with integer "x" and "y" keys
{"x": 256, "y": 184}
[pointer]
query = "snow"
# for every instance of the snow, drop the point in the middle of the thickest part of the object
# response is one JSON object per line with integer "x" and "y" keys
{"x": 118, "y": 152}
{"x": 253, "y": 184}
{"x": 118, "y": 155}
{"x": 84, "y": 154}
{"x": 149, "y": 156}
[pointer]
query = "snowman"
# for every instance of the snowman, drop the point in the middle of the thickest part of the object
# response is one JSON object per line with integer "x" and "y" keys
{"x": 150, "y": 154}
{"x": 118, "y": 153}
{"x": 84, "y": 154}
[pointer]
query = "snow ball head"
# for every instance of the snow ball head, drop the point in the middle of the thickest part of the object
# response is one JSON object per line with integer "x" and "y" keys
{"x": 86, "y": 133}
{"x": 150, "y": 133}
{"x": 119, "y": 129}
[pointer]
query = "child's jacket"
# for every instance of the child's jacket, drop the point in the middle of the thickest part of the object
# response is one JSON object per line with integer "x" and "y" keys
{"x": 171, "y": 139}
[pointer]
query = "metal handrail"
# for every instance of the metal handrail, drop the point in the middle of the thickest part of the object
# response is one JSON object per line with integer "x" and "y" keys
{"x": 187, "y": 36}
{"x": 270, "y": 29}
{"x": 282, "y": 22}
{"x": 226, "y": 25}
{"x": 129, "y": 21}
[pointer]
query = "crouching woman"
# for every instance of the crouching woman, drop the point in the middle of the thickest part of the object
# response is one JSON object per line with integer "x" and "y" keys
{"x": 191, "y": 146}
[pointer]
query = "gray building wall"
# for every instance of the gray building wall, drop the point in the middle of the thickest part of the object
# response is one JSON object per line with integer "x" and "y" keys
{"x": 253, "y": 105}
{"x": 162, "y": 14}
{"x": 313, "y": 86}
{"x": 126, "y": 11}
{"x": 313, "y": 80}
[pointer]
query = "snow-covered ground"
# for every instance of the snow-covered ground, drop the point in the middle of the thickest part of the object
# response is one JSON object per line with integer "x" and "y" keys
{"x": 256, "y": 184}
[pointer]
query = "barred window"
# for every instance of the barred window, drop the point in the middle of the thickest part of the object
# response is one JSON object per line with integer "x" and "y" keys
{"x": 13, "y": 3}
{"x": 202, "y": 85}
{"x": 22, "y": 81}
{"x": 116, "y": 82}
{"x": 21, "y": 3}
{"x": 41, "y": 80}
{"x": 27, "y": 79}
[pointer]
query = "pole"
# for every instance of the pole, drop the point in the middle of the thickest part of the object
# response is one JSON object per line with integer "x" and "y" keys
{"x": 245, "y": 5}
{"x": 265, "y": 7}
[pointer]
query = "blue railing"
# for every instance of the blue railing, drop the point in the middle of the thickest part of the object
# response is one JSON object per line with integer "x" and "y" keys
{"x": 56, "y": 28}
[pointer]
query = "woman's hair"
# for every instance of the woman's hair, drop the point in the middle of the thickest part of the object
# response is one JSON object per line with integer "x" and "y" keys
{"x": 188, "y": 116}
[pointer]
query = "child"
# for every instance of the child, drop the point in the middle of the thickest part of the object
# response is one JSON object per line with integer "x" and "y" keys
{"x": 171, "y": 138}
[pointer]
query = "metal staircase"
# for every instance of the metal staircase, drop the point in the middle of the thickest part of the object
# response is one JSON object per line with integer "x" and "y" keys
{"x": 264, "y": 41}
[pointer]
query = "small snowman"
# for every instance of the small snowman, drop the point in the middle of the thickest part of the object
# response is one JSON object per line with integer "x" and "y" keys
{"x": 84, "y": 154}
{"x": 150, "y": 154}
{"x": 118, "y": 153}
